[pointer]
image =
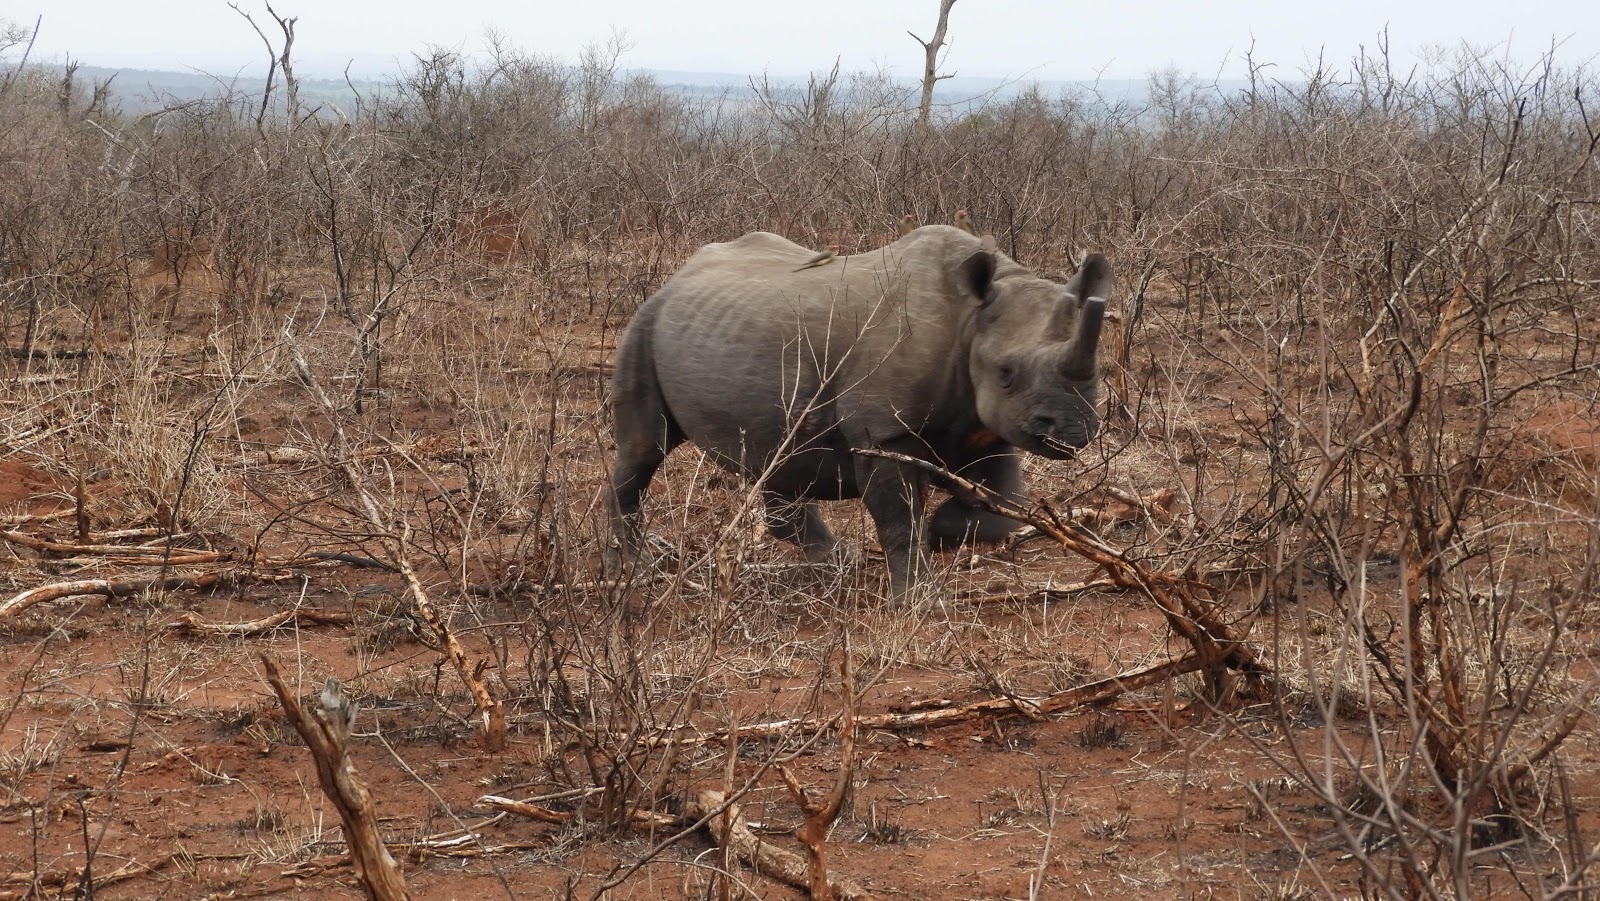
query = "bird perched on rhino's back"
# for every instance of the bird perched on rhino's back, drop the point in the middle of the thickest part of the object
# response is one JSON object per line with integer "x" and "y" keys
{"x": 964, "y": 222}
{"x": 821, "y": 259}
{"x": 936, "y": 347}
{"x": 908, "y": 224}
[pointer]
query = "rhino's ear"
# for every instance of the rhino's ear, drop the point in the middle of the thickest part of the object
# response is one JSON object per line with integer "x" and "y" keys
{"x": 1093, "y": 280}
{"x": 976, "y": 274}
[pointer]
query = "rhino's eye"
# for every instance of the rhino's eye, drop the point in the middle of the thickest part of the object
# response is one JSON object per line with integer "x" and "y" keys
{"x": 1008, "y": 375}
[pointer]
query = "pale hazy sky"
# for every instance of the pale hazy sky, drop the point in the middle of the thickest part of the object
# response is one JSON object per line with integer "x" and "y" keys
{"x": 1020, "y": 38}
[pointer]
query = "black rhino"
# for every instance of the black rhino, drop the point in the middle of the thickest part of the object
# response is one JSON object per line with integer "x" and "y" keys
{"x": 935, "y": 346}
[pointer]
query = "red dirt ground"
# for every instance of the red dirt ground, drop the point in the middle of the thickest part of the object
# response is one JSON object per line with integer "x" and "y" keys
{"x": 168, "y": 756}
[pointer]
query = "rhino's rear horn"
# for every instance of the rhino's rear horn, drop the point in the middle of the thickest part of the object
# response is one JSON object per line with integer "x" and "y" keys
{"x": 1080, "y": 357}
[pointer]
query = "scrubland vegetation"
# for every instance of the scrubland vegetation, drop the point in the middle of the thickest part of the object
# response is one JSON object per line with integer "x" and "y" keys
{"x": 328, "y": 386}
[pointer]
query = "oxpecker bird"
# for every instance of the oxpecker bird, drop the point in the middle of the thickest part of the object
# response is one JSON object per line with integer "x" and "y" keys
{"x": 964, "y": 222}
{"x": 821, "y": 259}
{"x": 908, "y": 224}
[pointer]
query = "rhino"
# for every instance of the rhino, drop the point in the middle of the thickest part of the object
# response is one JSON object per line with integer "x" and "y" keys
{"x": 936, "y": 346}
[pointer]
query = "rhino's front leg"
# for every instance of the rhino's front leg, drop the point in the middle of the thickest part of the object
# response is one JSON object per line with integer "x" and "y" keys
{"x": 797, "y": 520}
{"x": 961, "y": 520}
{"x": 894, "y": 494}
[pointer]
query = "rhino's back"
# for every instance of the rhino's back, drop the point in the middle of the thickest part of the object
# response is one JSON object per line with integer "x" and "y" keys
{"x": 746, "y": 349}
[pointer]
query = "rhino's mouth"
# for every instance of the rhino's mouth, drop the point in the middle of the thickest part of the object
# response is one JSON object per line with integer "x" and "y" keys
{"x": 1054, "y": 448}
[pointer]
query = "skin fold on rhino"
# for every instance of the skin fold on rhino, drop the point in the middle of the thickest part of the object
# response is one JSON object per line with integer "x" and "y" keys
{"x": 935, "y": 346}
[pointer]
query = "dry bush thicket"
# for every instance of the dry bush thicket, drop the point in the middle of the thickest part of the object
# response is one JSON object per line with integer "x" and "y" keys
{"x": 354, "y": 361}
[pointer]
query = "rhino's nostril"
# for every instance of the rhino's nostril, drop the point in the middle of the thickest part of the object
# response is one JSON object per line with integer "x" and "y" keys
{"x": 1041, "y": 425}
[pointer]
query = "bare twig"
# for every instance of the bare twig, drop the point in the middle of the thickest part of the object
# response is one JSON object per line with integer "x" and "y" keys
{"x": 490, "y": 710}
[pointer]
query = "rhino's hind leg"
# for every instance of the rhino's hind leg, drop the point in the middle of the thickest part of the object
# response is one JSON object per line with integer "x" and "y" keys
{"x": 799, "y": 522}
{"x": 960, "y": 521}
{"x": 645, "y": 433}
{"x": 629, "y": 480}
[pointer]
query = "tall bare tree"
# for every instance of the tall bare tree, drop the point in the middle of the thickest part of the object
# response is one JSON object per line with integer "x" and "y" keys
{"x": 930, "y": 65}
{"x": 277, "y": 60}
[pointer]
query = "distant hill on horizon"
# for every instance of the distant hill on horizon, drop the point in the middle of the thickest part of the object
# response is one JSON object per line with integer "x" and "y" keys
{"x": 139, "y": 91}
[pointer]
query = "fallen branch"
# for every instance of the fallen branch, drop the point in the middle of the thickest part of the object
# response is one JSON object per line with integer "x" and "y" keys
{"x": 137, "y": 532}
{"x": 47, "y": 353}
{"x": 128, "y": 587}
{"x": 1214, "y": 643}
{"x": 162, "y": 553}
{"x": 643, "y": 819}
{"x": 428, "y": 448}
{"x": 727, "y": 825}
{"x": 193, "y": 624}
{"x": 490, "y": 709}
{"x": 1097, "y": 692}
{"x": 325, "y": 731}
{"x": 15, "y": 524}
{"x": 1056, "y": 593}
{"x": 524, "y": 809}
{"x": 46, "y": 378}
{"x": 786, "y": 866}
{"x": 352, "y": 559}
{"x": 323, "y": 865}
{"x": 62, "y": 878}
{"x": 62, "y": 547}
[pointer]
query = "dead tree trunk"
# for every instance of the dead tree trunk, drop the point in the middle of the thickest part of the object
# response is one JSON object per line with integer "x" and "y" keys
{"x": 930, "y": 65}
{"x": 291, "y": 86}
{"x": 277, "y": 60}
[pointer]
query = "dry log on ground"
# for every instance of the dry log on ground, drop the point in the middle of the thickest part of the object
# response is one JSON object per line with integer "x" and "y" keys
{"x": 1097, "y": 692}
{"x": 192, "y": 623}
{"x": 729, "y": 829}
{"x": 1054, "y": 593}
{"x": 160, "y": 553}
{"x": 137, "y": 532}
{"x": 62, "y": 547}
{"x": 325, "y": 739}
{"x": 13, "y": 525}
{"x": 490, "y": 709}
{"x": 121, "y": 588}
{"x": 47, "y": 353}
{"x": 62, "y": 878}
{"x": 429, "y": 448}
{"x": 148, "y": 555}
{"x": 641, "y": 819}
{"x": 524, "y": 809}
{"x": 324, "y": 865}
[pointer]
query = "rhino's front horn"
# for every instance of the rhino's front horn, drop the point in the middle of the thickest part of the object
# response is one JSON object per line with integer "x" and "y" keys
{"x": 1080, "y": 359}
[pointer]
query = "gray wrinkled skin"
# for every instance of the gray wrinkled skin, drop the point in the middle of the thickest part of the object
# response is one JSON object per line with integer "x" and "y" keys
{"x": 933, "y": 346}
